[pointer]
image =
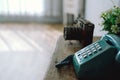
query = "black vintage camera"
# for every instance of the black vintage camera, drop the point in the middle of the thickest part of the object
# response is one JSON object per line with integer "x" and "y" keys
{"x": 81, "y": 30}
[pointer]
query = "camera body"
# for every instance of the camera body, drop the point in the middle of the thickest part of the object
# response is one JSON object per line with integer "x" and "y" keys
{"x": 81, "y": 30}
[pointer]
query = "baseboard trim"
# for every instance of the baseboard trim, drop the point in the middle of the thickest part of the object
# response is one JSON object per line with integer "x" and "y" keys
{"x": 39, "y": 19}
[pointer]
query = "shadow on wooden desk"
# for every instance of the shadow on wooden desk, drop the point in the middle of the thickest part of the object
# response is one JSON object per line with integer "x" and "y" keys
{"x": 62, "y": 50}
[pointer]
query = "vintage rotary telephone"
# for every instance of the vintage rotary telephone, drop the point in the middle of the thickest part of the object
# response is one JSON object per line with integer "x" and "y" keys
{"x": 97, "y": 60}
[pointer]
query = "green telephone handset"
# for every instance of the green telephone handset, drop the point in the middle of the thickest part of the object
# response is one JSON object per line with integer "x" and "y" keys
{"x": 98, "y": 58}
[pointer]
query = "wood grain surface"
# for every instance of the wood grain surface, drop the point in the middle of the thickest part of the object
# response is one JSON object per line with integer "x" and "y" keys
{"x": 26, "y": 49}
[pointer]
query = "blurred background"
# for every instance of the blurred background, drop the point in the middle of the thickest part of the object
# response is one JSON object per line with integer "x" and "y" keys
{"x": 54, "y": 11}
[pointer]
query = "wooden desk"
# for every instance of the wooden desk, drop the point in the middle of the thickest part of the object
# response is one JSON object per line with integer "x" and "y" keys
{"x": 62, "y": 50}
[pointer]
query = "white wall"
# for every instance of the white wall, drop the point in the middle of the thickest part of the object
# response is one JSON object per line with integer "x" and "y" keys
{"x": 93, "y": 9}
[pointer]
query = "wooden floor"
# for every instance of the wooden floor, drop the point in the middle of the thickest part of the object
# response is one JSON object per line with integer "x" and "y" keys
{"x": 26, "y": 49}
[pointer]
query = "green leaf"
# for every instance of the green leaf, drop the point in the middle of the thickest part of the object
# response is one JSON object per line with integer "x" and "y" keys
{"x": 111, "y": 20}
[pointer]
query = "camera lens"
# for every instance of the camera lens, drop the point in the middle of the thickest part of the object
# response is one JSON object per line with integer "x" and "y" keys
{"x": 72, "y": 33}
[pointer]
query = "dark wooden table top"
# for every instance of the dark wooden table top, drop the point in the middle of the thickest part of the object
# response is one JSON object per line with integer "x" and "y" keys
{"x": 62, "y": 50}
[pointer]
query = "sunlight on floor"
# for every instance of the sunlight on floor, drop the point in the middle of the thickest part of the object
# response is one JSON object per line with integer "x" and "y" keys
{"x": 25, "y": 52}
{"x": 14, "y": 42}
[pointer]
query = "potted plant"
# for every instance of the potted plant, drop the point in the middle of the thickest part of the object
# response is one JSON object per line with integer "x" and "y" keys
{"x": 111, "y": 20}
